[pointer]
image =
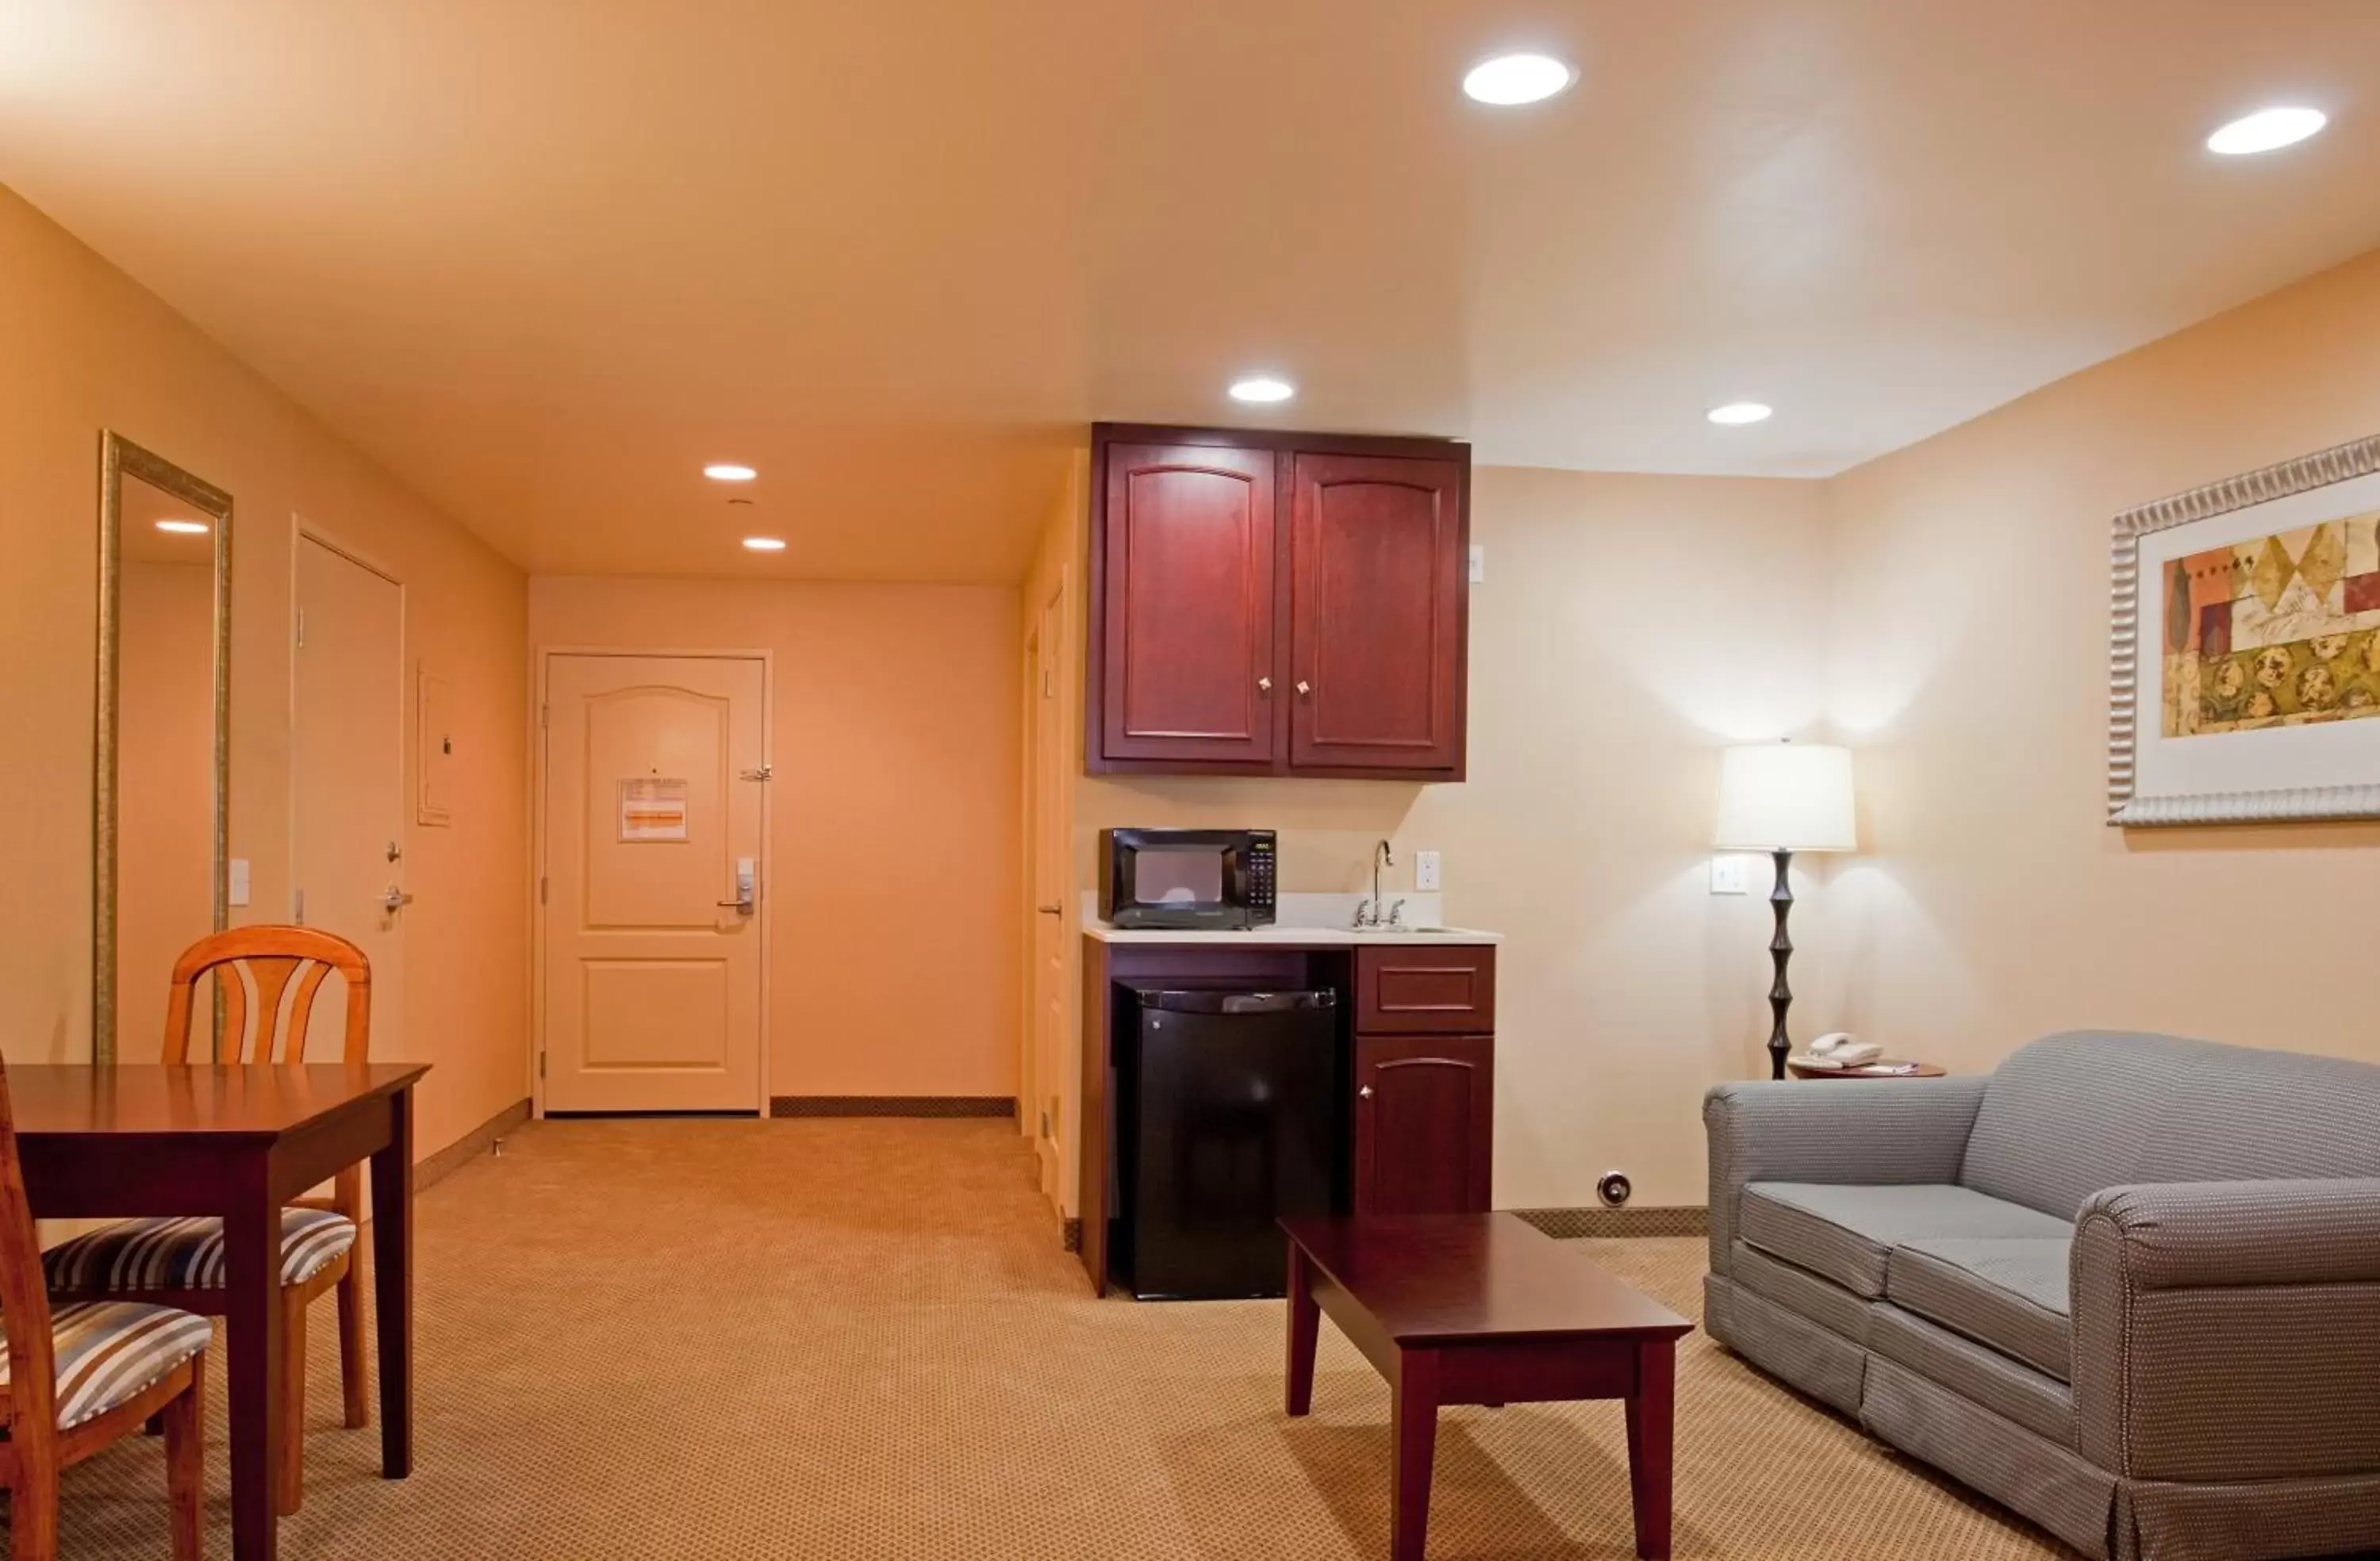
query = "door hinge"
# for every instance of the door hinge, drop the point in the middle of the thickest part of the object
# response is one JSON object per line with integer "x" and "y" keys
{"x": 298, "y": 906}
{"x": 544, "y": 717}
{"x": 541, "y": 888}
{"x": 301, "y": 628}
{"x": 1048, "y": 683}
{"x": 766, "y": 772}
{"x": 540, "y": 1065}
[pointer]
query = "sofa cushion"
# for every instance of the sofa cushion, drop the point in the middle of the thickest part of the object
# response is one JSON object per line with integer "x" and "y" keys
{"x": 2007, "y": 1293}
{"x": 1847, "y": 1233}
{"x": 2069, "y": 1114}
{"x": 2243, "y": 1114}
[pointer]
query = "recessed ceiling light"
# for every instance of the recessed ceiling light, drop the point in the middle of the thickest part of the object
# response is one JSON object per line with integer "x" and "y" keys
{"x": 1509, "y": 80}
{"x": 1735, "y": 414}
{"x": 1262, "y": 389}
{"x": 765, "y": 544}
{"x": 728, "y": 471}
{"x": 2267, "y": 129}
{"x": 184, "y": 527}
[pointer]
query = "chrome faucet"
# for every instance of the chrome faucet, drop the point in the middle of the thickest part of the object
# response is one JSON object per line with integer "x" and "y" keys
{"x": 1368, "y": 913}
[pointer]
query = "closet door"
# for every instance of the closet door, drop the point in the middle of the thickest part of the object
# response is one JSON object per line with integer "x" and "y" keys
{"x": 1376, "y": 615}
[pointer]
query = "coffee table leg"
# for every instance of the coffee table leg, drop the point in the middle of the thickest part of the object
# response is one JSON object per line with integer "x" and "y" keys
{"x": 1413, "y": 1426}
{"x": 1304, "y": 1323}
{"x": 1652, "y": 1413}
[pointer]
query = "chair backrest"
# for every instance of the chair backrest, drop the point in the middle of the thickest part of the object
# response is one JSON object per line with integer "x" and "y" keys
{"x": 269, "y": 977}
{"x": 32, "y": 1411}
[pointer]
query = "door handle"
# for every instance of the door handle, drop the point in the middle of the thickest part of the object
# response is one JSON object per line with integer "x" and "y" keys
{"x": 1264, "y": 685}
{"x": 1305, "y": 689}
{"x": 1364, "y": 1094}
{"x": 394, "y": 899}
{"x": 1051, "y": 910}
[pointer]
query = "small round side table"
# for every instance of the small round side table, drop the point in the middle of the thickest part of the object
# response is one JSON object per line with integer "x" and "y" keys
{"x": 1878, "y": 1070}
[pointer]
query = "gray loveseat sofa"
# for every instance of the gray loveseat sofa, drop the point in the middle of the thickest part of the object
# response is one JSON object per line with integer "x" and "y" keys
{"x": 2127, "y": 1284}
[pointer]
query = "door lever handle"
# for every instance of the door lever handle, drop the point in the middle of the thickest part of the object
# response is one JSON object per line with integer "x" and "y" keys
{"x": 743, "y": 905}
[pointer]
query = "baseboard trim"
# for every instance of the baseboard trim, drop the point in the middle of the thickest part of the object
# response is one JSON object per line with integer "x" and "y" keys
{"x": 891, "y": 1106}
{"x": 428, "y": 1173}
{"x": 1605, "y": 1223}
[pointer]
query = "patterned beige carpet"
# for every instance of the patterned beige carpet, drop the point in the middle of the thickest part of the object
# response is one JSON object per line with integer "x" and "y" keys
{"x": 835, "y": 1339}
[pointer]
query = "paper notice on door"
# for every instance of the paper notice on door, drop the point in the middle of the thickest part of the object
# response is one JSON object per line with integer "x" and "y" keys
{"x": 652, "y": 810}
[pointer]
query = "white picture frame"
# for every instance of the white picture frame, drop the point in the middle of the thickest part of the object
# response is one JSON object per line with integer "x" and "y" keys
{"x": 2325, "y": 771}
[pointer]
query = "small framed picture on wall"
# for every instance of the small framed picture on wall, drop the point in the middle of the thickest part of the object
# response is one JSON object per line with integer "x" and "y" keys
{"x": 2244, "y": 651}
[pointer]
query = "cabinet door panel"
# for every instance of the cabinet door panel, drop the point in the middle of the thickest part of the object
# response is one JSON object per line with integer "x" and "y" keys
{"x": 1188, "y": 641}
{"x": 1425, "y": 1123}
{"x": 1377, "y": 574}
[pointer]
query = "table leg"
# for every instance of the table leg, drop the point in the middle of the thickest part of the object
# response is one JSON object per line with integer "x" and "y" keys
{"x": 252, "y": 1325}
{"x": 1305, "y": 1325}
{"x": 1652, "y": 1413}
{"x": 392, "y": 1193}
{"x": 1413, "y": 1427}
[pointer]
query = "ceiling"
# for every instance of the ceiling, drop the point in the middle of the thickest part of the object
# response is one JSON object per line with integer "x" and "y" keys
{"x": 546, "y": 259}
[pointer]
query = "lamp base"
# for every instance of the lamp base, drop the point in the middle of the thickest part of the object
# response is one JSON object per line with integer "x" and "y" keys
{"x": 1780, "y": 950}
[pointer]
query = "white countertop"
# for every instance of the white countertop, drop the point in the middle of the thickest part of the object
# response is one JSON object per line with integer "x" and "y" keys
{"x": 1290, "y": 936}
{"x": 1303, "y": 921}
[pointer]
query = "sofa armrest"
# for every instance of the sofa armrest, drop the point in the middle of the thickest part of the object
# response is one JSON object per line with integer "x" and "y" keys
{"x": 2229, "y": 1330}
{"x": 1877, "y": 1131}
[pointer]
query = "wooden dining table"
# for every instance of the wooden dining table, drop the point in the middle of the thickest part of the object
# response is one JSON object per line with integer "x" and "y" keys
{"x": 239, "y": 1140}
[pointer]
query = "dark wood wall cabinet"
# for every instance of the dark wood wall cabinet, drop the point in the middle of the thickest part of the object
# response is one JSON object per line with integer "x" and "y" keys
{"x": 1417, "y": 1065}
{"x": 1277, "y": 603}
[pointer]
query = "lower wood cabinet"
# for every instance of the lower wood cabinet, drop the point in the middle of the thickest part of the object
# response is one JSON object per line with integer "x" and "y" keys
{"x": 1425, "y": 1121}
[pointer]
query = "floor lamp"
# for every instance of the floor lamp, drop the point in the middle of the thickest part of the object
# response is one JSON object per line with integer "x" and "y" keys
{"x": 1781, "y": 798}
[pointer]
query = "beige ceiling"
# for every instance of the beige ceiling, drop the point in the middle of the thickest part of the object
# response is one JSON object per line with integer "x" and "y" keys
{"x": 547, "y": 257}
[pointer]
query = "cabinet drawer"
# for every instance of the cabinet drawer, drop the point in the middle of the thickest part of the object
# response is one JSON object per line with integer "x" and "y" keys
{"x": 1426, "y": 990}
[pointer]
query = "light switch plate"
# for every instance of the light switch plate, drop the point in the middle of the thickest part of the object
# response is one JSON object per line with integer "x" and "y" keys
{"x": 1478, "y": 563}
{"x": 1727, "y": 875}
{"x": 1425, "y": 872}
{"x": 236, "y": 880}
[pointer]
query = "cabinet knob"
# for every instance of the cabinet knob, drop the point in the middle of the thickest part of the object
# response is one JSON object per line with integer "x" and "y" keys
{"x": 1364, "y": 1094}
{"x": 1264, "y": 685}
{"x": 1305, "y": 687}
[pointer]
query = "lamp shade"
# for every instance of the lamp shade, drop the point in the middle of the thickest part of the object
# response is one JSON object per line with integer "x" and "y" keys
{"x": 1785, "y": 796}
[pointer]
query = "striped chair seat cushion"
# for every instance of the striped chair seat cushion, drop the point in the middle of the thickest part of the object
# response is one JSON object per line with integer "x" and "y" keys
{"x": 185, "y": 1254}
{"x": 109, "y": 1350}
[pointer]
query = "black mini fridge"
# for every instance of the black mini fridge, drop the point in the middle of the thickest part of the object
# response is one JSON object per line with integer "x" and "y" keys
{"x": 1230, "y": 1119}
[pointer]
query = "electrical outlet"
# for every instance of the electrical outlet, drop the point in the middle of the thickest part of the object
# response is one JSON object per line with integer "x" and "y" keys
{"x": 1425, "y": 872}
{"x": 1727, "y": 875}
{"x": 1478, "y": 562}
{"x": 235, "y": 889}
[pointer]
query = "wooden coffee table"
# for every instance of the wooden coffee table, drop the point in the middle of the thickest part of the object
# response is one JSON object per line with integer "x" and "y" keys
{"x": 1483, "y": 1309}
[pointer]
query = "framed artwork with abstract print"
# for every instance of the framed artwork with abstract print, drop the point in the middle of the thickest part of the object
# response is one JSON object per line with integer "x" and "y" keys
{"x": 2246, "y": 648}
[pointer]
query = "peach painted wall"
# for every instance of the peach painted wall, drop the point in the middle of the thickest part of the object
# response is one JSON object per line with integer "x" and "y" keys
{"x": 1627, "y": 628}
{"x": 1969, "y": 666}
{"x": 88, "y": 348}
{"x": 893, "y": 863}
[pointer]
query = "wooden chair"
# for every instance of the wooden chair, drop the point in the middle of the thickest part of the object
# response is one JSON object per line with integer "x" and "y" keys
{"x": 83, "y": 1377}
{"x": 269, "y": 977}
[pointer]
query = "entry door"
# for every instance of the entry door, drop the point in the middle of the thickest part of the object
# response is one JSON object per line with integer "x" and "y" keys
{"x": 651, "y": 891}
{"x": 347, "y": 782}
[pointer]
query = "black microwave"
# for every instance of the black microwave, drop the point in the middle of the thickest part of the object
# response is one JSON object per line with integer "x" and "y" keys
{"x": 1212, "y": 879}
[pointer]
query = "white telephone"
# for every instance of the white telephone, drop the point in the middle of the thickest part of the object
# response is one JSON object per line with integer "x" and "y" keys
{"x": 1843, "y": 1050}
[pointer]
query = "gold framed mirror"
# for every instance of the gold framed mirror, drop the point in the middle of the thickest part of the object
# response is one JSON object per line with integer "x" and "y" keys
{"x": 161, "y": 780}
